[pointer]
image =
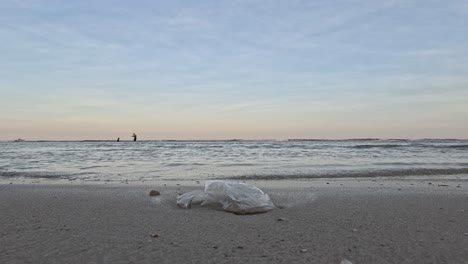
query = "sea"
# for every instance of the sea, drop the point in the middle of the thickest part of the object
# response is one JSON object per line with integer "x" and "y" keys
{"x": 234, "y": 159}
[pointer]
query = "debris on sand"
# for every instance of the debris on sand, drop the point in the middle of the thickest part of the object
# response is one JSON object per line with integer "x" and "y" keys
{"x": 235, "y": 197}
{"x": 154, "y": 235}
{"x": 154, "y": 193}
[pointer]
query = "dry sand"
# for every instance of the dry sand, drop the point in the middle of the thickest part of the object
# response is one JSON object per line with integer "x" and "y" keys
{"x": 363, "y": 222}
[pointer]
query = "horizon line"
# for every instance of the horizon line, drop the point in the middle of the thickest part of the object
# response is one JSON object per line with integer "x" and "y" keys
{"x": 232, "y": 139}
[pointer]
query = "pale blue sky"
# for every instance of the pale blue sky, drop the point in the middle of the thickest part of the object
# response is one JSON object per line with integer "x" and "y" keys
{"x": 233, "y": 69}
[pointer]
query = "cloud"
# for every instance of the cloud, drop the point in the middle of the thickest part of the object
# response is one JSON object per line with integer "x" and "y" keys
{"x": 241, "y": 64}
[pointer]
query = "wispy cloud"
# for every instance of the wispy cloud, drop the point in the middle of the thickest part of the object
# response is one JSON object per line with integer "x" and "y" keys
{"x": 265, "y": 65}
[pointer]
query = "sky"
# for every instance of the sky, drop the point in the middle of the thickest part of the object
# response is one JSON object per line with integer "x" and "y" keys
{"x": 238, "y": 69}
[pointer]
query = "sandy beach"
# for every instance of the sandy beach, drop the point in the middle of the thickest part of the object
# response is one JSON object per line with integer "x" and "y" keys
{"x": 319, "y": 221}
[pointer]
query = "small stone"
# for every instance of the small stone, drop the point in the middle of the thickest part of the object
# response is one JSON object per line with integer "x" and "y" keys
{"x": 239, "y": 247}
{"x": 282, "y": 219}
{"x": 154, "y": 235}
{"x": 466, "y": 234}
{"x": 355, "y": 230}
{"x": 154, "y": 193}
{"x": 303, "y": 250}
{"x": 345, "y": 261}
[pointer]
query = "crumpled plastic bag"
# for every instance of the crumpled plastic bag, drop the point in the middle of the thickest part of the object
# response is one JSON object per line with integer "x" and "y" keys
{"x": 237, "y": 198}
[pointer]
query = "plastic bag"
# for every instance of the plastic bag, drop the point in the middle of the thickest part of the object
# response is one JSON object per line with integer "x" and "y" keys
{"x": 237, "y": 198}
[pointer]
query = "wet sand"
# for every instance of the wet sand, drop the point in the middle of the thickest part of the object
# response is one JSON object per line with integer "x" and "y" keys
{"x": 319, "y": 222}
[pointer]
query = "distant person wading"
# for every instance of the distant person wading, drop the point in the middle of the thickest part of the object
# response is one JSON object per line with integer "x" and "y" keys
{"x": 134, "y": 137}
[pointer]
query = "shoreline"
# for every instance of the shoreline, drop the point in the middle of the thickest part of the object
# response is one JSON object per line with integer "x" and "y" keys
{"x": 453, "y": 180}
{"x": 363, "y": 221}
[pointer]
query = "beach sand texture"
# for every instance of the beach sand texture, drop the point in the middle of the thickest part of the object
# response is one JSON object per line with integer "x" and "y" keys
{"x": 365, "y": 222}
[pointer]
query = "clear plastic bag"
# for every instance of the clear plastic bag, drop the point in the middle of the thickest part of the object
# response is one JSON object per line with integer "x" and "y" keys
{"x": 237, "y": 198}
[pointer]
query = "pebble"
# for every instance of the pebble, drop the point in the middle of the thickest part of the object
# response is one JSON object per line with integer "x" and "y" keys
{"x": 466, "y": 234}
{"x": 345, "y": 261}
{"x": 303, "y": 250}
{"x": 154, "y": 235}
{"x": 154, "y": 193}
{"x": 282, "y": 219}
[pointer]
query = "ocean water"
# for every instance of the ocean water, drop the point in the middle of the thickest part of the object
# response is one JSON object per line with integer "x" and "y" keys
{"x": 201, "y": 160}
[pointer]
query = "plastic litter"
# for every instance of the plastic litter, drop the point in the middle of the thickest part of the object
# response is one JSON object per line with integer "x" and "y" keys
{"x": 237, "y": 198}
